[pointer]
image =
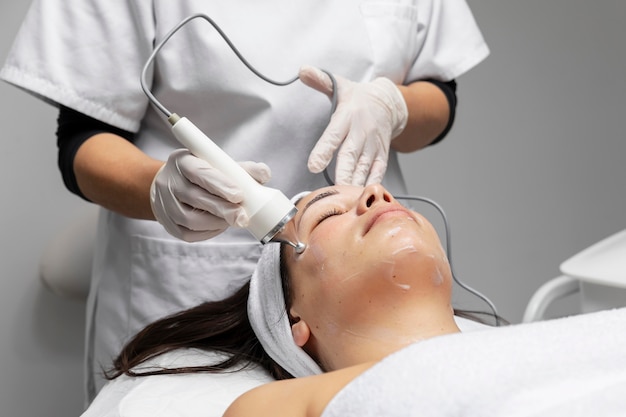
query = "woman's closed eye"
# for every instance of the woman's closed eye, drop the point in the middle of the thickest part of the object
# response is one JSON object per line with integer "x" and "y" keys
{"x": 327, "y": 214}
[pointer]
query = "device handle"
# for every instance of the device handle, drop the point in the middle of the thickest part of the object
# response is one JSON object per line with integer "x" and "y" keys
{"x": 268, "y": 209}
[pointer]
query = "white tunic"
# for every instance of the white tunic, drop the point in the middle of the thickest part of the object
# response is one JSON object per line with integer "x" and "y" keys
{"x": 88, "y": 55}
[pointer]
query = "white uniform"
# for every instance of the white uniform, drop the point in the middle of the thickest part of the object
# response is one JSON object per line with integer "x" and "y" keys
{"x": 88, "y": 55}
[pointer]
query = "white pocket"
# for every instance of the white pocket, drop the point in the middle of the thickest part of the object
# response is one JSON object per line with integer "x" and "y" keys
{"x": 168, "y": 276}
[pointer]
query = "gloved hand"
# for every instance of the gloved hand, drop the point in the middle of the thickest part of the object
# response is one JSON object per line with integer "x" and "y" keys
{"x": 368, "y": 116}
{"x": 195, "y": 201}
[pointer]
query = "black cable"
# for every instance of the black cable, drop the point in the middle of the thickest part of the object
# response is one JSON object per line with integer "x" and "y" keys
{"x": 171, "y": 33}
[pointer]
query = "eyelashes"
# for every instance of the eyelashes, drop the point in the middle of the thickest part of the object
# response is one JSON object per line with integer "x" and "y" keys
{"x": 327, "y": 214}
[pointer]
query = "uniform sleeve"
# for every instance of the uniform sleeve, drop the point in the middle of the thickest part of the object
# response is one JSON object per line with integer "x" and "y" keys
{"x": 86, "y": 55}
{"x": 451, "y": 42}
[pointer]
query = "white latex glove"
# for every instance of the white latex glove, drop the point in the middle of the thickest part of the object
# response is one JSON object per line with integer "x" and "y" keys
{"x": 195, "y": 201}
{"x": 368, "y": 116}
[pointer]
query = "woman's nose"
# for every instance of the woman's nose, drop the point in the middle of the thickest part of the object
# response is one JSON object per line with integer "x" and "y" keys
{"x": 373, "y": 194}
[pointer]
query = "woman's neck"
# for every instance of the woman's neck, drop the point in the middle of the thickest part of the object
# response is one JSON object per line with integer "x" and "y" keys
{"x": 380, "y": 337}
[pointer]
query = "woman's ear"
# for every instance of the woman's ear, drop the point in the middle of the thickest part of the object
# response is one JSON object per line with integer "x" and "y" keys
{"x": 301, "y": 332}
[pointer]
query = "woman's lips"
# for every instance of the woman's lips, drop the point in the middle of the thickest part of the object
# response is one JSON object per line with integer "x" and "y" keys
{"x": 384, "y": 213}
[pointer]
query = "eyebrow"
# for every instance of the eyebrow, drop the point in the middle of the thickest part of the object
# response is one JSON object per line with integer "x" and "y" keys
{"x": 317, "y": 198}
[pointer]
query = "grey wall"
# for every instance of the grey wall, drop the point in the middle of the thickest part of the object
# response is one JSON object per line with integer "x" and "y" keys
{"x": 534, "y": 170}
{"x": 532, "y": 173}
{"x": 41, "y": 342}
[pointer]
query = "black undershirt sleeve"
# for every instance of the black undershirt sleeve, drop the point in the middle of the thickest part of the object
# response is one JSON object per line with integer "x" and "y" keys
{"x": 73, "y": 129}
{"x": 449, "y": 89}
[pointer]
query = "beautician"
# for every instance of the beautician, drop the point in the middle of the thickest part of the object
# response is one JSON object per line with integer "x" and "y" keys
{"x": 395, "y": 63}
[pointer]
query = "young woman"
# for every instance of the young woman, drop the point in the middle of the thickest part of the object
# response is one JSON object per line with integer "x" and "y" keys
{"x": 369, "y": 302}
{"x": 363, "y": 319}
{"x": 373, "y": 279}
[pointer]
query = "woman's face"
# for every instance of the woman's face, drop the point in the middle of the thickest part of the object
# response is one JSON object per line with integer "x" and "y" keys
{"x": 365, "y": 254}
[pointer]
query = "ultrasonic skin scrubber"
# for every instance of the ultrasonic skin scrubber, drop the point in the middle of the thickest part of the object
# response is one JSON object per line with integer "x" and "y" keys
{"x": 269, "y": 209}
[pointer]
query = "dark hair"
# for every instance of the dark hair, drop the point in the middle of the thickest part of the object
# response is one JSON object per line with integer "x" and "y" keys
{"x": 221, "y": 326}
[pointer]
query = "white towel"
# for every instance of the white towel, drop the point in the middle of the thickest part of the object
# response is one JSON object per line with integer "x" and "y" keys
{"x": 269, "y": 320}
{"x": 574, "y": 366}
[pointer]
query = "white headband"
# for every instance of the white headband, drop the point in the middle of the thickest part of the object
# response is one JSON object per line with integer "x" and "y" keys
{"x": 270, "y": 321}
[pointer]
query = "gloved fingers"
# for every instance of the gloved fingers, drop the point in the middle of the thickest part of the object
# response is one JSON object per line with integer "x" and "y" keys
{"x": 327, "y": 144}
{"x": 372, "y": 164}
{"x": 195, "y": 201}
{"x": 377, "y": 172}
{"x": 199, "y": 225}
{"x": 361, "y": 162}
{"x": 257, "y": 170}
{"x": 216, "y": 205}
{"x": 186, "y": 180}
{"x": 348, "y": 155}
{"x": 199, "y": 209}
{"x": 205, "y": 176}
{"x": 316, "y": 79}
{"x": 183, "y": 203}
{"x": 183, "y": 221}
{"x": 363, "y": 172}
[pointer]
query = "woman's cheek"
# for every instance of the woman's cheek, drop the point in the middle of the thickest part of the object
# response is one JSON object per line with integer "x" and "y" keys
{"x": 323, "y": 243}
{"x": 329, "y": 255}
{"x": 316, "y": 252}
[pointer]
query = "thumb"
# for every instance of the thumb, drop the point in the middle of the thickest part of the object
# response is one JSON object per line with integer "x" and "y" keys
{"x": 257, "y": 170}
{"x": 316, "y": 79}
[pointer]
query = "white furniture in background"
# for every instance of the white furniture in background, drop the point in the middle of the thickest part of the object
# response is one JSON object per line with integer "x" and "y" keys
{"x": 597, "y": 273}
